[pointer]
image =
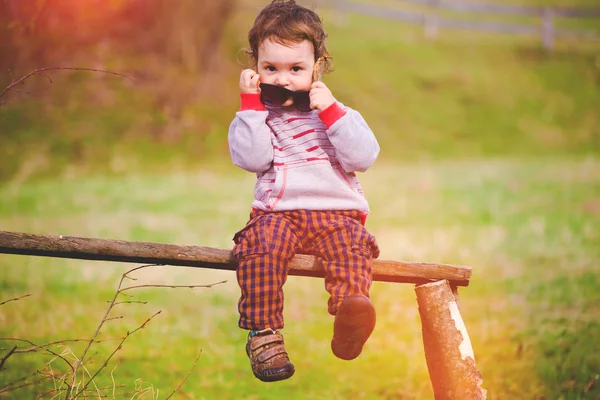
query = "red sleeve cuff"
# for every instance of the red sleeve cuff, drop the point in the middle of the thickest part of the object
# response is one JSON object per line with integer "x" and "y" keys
{"x": 363, "y": 217}
{"x": 331, "y": 114}
{"x": 251, "y": 101}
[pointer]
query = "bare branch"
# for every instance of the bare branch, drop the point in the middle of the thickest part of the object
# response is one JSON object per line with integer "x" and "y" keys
{"x": 45, "y": 76}
{"x": 44, "y": 394}
{"x": 35, "y": 348}
{"x": 16, "y": 381}
{"x": 173, "y": 286}
{"x": 10, "y": 387}
{"x": 144, "y": 324}
{"x": 109, "y": 308}
{"x": 186, "y": 377}
{"x": 131, "y": 302}
{"x": 104, "y": 319}
{"x": 44, "y": 346}
{"x": 40, "y": 71}
{"x": 91, "y": 379}
{"x": 95, "y": 394}
{"x": 69, "y": 384}
{"x": 22, "y": 91}
{"x": 15, "y": 299}
{"x": 138, "y": 268}
{"x": 64, "y": 377}
{"x": 3, "y": 360}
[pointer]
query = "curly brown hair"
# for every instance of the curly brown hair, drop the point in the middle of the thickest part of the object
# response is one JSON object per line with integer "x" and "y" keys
{"x": 284, "y": 21}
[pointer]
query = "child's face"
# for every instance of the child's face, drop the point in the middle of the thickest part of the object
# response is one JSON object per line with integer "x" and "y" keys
{"x": 289, "y": 65}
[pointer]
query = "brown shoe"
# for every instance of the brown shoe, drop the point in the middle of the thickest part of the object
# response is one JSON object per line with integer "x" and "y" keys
{"x": 354, "y": 322}
{"x": 268, "y": 358}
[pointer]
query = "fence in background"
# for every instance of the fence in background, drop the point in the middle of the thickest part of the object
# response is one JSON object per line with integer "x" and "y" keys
{"x": 434, "y": 15}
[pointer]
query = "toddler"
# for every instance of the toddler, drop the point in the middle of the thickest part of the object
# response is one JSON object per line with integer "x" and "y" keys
{"x": 304, "y": 147}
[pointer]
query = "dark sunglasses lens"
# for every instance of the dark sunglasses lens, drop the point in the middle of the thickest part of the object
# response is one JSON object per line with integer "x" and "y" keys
{"x": 273, "y": 95}
{"x": 302, "y": 101}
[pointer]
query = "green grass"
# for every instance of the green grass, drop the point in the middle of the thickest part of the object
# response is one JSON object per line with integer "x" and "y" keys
{"x": 529, "y": 227}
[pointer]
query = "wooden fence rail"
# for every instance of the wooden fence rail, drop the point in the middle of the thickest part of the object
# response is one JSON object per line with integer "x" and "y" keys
{"x": 432, "y": 19}
{"x": 505, "y": 9}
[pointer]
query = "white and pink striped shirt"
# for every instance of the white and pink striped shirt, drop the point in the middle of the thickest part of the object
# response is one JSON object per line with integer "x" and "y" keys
{"x": 303, "y": 160}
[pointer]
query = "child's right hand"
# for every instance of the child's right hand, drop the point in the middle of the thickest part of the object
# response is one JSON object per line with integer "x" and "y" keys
{"x": 249, "y": 81}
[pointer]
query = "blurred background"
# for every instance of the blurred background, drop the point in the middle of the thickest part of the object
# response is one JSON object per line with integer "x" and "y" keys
{"x": 488, "y": 118}
{"x": 435, "y": 79}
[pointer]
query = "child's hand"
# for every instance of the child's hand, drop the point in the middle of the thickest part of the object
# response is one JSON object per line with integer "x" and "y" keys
{"x": 320, "y": 96}
{"x": 249, "y": 81}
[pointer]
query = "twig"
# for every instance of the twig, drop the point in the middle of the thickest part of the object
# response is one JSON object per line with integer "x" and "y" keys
{"x": 15, "y": 299}
{"x": 174, "y": 286}
{"x": 63, "y": 379}
{"x": 56, "y": 355}
{"x": 49, "y": 391}
{"x": 3, "y": 361}
{"x": 111, "y": 305}
{"x": 69, "y": 384}
{"x": 16, "y": 381}
{"x": 40, "y": 71}
{"x": 186, "y": 377}
{"x": 121, "y": 290}
{"x": 43, "y": 346}
{"x": 113, "y": 353}
{"x": 22, "y": 91}
{"x": 10, "y": 387}
{"x": 43, "y": 394}
{"x": 130, "y": 302}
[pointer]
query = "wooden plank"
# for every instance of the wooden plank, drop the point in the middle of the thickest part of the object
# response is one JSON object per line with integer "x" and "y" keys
{"x": 207, "y": 257}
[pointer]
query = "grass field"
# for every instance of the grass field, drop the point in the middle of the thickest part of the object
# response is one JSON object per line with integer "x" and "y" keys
{"x": 530, "y": 228}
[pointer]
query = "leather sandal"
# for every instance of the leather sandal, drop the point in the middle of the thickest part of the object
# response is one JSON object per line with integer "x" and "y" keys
{"x": 354, "y": 323}
{"x": 268, "y": 357}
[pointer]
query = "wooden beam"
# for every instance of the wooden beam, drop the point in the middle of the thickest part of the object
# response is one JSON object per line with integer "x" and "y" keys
{"x": 208, "y": 257}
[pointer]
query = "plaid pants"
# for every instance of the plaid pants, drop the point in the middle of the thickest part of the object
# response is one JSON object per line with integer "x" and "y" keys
{"x": 270, "y": 240}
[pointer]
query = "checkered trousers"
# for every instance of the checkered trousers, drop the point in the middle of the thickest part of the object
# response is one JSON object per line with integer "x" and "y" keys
{"x": 269, "y": 241}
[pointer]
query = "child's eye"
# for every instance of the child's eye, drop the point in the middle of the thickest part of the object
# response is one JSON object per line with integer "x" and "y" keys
{"x": 271, "y": 68}
{"x": 296, "y": 69}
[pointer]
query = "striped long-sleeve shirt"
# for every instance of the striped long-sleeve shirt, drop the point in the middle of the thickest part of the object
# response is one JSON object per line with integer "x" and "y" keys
{"x": 303, "y": 160}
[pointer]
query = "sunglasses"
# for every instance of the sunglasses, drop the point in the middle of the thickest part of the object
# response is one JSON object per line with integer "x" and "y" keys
{"x": 273, "y": 95}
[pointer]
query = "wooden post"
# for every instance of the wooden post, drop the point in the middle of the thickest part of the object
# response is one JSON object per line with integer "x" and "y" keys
{"x": 448, "y": 349}
{"x": 548, "y": 28}
{"x": 340, "y": 17}
{"x": 431, "y": 20}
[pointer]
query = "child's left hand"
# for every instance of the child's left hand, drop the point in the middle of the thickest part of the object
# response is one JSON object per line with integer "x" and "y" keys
{"x": 320, "y": 96}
